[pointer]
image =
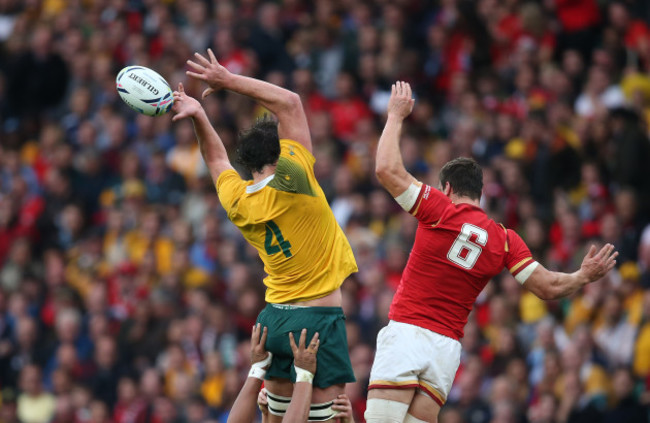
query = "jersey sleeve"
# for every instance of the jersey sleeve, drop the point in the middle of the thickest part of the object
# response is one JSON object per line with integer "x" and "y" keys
{"x": 297, "y": 153}
{"x": 230, "y": 188}
{"x": 430, "y": 205}
{"x": 519, "y": 260}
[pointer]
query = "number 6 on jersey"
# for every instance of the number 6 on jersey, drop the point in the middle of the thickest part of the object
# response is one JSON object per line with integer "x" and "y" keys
{"x": 465, "y": 250}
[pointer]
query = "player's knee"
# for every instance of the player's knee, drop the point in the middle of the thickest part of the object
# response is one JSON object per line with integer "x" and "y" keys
{"x": 385, "y": 411}
{"x": 411, "y": 419}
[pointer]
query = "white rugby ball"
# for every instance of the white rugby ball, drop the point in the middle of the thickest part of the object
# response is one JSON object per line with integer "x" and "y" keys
{"x": 144, "y": 90}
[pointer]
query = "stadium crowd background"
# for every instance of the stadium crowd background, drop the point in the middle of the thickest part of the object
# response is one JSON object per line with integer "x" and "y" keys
{"x": 127, "y": 296}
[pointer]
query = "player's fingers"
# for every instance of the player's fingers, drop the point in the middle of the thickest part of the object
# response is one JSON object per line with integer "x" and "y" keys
{"x": 292, "y": 342}
{"x": 591, "y": 252}
{"x": 610, "y": 265}
{"x": 612, "y": 260}
{"x": 213, "y": 58}
{"x": 603, "y": 252}
{"x": 314, "y": 343}
{"x": 181, "y": 88}
{"x": 255, "y": 334}
{"x": 611, "y": 250}
{"x": 265, "y": 333}
{"x": 178, "y": 116}
{"x": 195, "y": 66}
{"x": 202, "y": 59}
{"x": 393, "y": 90}
{"x": 409, "y": 93}
{"x": 303, "y": 339}
{"x": 195, "y": 75}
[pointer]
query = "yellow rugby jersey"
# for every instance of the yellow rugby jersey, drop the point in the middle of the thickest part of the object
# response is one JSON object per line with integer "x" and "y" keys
{"x": 287, "y": 219}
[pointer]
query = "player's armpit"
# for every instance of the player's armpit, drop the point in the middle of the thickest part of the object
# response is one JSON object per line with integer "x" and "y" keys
{"x": 230, "y": 188}
{"x": 217, "y": 167}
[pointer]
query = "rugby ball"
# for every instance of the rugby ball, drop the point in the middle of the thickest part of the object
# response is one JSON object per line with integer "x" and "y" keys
{"x": 144, "y": 90}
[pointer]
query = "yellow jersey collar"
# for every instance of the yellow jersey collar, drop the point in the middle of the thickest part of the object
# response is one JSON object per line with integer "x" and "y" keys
{"x": 250, "y": 189}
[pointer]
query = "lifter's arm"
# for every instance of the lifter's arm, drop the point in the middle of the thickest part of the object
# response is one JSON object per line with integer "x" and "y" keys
{"x": 244, "y": 409}
{"x": 285, "y": 104}
{"x": 212, "y": 149}
{"x": 389, "y": 166}
{"x": 304, "y": 361}
{"x": 549, "y": 285}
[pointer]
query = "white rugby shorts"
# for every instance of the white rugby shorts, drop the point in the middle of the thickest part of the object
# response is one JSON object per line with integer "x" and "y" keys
{"x": 409, "y": 356}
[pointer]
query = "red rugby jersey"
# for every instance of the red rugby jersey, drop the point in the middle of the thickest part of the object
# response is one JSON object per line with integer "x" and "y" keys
{"x": 457, "y": 250}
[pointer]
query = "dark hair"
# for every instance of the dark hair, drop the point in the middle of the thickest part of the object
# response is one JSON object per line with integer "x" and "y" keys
{"x": 465, "y": 177}
{"x": 259, "y": 145}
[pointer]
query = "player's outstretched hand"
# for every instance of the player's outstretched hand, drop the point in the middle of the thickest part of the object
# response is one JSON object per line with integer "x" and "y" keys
{"x": 184, "y": 105}
{"x": 401, "y": 100}
{"x": 596, "y": 265}
{"x": 209, "y": 71}
{"x": 305, "y": 357}
{"x": 258, "y": 352}
{"x": 344, "y": 409}
{"x": 263, "y": 402}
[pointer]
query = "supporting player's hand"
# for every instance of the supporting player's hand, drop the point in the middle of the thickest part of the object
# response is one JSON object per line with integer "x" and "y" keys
{"x": 258, "y": 352}
{"x": 305, "y": 357}
{"x": 184, "y": 105}
{"x": 596, "y": 265}
{"x": 263, "y": 402}
{"x": 344, "y": 409}
{"x": 401, "y": 100}
{"x": 209, "y": 71}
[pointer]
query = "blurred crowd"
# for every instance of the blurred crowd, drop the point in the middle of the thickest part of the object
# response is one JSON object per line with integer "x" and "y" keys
{"x": 127, "y": 296}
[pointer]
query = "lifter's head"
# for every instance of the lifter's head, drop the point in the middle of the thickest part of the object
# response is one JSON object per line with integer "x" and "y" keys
{"x": 462, "y": 177}
{"x": 259, "y": 145}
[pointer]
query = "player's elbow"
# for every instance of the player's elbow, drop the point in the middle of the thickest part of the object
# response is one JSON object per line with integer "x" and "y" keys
{"x": 384, "y": 173}
{"x": 292, "y": 101}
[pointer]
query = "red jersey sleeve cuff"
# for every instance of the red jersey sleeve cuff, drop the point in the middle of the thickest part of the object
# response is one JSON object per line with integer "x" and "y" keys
{"x": 418, "y": 201}
{"x": 522, "y": 270}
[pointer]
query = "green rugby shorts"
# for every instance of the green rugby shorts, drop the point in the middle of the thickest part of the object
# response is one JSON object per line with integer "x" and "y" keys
{"x": 333, "y": 360}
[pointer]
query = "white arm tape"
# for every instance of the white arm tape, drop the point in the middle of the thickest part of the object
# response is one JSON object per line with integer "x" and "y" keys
{"x": 303, "y": 375}
{"x": 258, "y": 369}
{"x": 523, "y": 276}
{"x": 408, "y": 198}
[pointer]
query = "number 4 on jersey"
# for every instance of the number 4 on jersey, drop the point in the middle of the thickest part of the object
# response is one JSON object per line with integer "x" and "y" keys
{"x": 284, "y": 245}
{"x": 465, "y": 251}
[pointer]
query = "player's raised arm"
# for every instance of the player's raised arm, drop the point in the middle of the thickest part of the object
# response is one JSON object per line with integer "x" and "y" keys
{"x": 549, "y": 285}
{"x": 285, "y": 104}
{"x": 304, "y": 362}
{"x": 389, "y": 166}
{"x": 212, "y": 149}
{"x": 244, "y": 409}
